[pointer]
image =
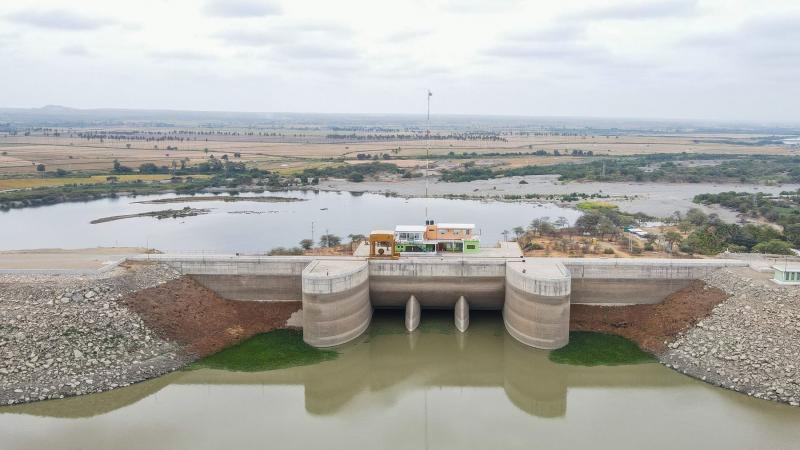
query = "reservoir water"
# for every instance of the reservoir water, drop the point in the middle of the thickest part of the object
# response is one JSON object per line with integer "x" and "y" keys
{"x": 253, "y": 226}
{"x": 435, "y": 388}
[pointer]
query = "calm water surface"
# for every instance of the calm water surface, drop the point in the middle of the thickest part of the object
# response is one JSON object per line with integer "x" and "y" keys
{"x": 229, "y": 229}
{"x": 435, "y": 388}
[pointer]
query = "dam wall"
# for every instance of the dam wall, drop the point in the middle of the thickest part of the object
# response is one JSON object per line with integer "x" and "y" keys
{"x": 437, "y": 283}
{"x": 635, "y": 281}
{"x": 535, "y": 294}
{"x": 247, "y": 278}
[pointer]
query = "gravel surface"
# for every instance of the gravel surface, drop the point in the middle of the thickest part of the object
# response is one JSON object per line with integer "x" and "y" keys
{"x": 69, "y": 335}
{"x": 750, "y": 343}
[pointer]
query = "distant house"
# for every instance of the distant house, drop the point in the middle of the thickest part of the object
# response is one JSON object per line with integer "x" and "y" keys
{"x": 787, "y": 273}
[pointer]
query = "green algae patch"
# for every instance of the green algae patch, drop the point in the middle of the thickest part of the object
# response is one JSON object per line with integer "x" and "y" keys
{"x": 587, "y": 348}
{"x": 277, "y": 349}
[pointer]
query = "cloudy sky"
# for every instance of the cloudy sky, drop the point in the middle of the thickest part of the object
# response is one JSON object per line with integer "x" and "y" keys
{"x": 689, "y": 59}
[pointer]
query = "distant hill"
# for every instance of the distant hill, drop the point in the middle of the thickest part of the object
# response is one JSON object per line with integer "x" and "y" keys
{"x": 63, "y": 116}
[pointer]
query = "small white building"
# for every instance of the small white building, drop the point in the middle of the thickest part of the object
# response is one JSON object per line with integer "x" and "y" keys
{"x": 787, "y": 273}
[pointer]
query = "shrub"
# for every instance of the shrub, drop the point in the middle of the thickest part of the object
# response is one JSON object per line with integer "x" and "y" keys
{"x": 774, "y": 247}
{"x": 608, "y": 251}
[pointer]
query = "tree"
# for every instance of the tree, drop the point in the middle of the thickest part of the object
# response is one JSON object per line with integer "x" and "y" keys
{"x": 672, "y": 237}
{"x": 606, "y": 227}
{"x": 356, "y": 237}
{"x": 589, "y": 222}
{"x": 773, "y": 247}
{"x": 792, "y": 233}
{"x": 329, "y": 240}
{"x": 561, "y": 222}
{"x": 537, "y": 224}
{"x": 696, "y": 217}
{"x": 518, "y": 232}
{"x": 547, "y": 228}
{"x": 119, "y": 168}
{"x": 40, "y": 168}
{"x": 307, "y": 244}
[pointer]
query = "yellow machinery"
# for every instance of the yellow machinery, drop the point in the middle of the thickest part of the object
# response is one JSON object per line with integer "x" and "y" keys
{"x": 382, "y": 244}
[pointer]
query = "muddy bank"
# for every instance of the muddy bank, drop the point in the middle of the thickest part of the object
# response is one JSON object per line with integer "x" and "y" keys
{"x": 162, "y": 214}
{"x": 201, "y": 321}
{"x": 650, "y": 326}
{"x": 67, "y": 335}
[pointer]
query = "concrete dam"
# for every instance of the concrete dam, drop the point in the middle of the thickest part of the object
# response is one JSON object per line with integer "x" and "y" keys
{"x": 339, "y": 294}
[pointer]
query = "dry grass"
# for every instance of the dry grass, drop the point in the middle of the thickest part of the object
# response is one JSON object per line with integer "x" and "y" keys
{"x": 23, "y": 153}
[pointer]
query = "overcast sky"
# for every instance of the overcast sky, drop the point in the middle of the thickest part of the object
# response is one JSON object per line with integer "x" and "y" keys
{"x": 704, "y": 59}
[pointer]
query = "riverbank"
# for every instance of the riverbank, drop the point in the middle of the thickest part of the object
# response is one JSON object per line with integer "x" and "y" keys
{"x": 734, "y": 329}
{"x": 67, "y": 335}
{"x": 750, "y": 343}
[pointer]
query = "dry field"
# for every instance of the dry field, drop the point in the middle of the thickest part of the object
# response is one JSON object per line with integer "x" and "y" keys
{"x": 25, "y": 183}
{"x": 20, "y": 154}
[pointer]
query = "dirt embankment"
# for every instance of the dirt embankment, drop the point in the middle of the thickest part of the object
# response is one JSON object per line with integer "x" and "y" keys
{"x": 184, "y": 311}
{"x": 650, "y": 326}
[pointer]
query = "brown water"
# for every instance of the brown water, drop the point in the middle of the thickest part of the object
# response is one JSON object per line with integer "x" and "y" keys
{"x": 432, "y": 389}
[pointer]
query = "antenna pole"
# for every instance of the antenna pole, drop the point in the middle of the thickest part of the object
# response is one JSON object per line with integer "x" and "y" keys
{"x": 427, "y": 146}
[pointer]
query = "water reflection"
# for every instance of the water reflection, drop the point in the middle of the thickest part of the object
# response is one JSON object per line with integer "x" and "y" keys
{"x": 390, "y": 361}
{"x": 435, "y": 388}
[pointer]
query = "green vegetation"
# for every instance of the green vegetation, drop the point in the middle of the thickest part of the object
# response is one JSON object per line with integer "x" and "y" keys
{"x": 599, "y": 349}
{"x": 352, "y": 172}
{"x": 782, "y": 209}
{"x": 283, "y": 251}
{"x": 277, "y": 349}
{"x": 658, "y": 167}
{"x": 708, "y": 235}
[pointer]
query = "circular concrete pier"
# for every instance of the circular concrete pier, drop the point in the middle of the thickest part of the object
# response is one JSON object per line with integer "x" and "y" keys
{"x": 536, "y": 309}
{"x": 336, "y": 306}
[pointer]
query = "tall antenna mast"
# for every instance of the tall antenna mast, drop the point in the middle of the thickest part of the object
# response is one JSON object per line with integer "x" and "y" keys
{"x": 427, "y": 147}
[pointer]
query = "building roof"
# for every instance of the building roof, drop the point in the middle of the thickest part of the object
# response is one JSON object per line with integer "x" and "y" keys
{"x": 410, "y": 228}
{"x": 460, "y": 226}
{"x": 790, "y": 267}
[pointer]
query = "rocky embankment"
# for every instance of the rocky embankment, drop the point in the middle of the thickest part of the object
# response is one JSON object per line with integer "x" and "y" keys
{"x": 750, "y": 343}
{"x": 70, "y": 335}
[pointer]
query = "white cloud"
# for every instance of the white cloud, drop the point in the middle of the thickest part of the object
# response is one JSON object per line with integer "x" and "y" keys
{"x": 242, "y": 8}
{"x": 633, "y": 58}
{"x": 57, "y": 19}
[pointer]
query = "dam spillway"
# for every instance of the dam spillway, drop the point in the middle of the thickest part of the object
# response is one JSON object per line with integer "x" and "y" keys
{"x": 339, "y": 293}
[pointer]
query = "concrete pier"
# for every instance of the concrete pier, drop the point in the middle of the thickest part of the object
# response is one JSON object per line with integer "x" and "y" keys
{"x": 339, "y": 293}
{"x": 336, "y": 307}
{"x": 461, "y": 314}
{"x": 413, "y": 313}
{"x": 536, "y": 308}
